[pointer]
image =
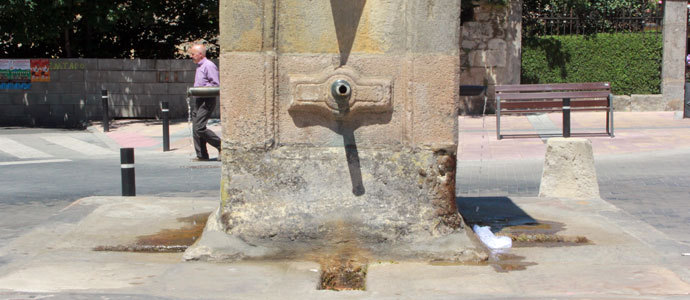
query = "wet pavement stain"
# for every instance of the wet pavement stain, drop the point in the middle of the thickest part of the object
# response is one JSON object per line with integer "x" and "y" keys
{"x": 344, "y": 264}
{"x": 542, "y": 234}
{"x": 167, "y": 240}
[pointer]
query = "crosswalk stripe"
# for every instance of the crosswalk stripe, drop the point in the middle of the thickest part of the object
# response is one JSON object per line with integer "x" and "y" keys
{"x": 20, "y": 150}
{"x": 77, "y": 145}
{"x": 26, "y": 162}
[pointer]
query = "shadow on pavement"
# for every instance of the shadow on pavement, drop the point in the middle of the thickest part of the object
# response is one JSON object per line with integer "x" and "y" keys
{"x": 497, "y": 212}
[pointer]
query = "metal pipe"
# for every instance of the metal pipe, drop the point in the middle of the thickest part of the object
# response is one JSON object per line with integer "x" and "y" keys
{"x": 127, "y": 171}
{"x": 104, "y": 103}
{"x": 165, "y": 112}
{"x": 203, "y": 91}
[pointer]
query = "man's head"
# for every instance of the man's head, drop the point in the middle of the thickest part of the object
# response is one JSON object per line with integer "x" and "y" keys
{"x": 197, "y": 52}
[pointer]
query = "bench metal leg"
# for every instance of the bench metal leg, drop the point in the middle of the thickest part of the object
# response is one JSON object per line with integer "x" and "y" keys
{"x": 498, "y": 118}
{"x": 609, "y": 115}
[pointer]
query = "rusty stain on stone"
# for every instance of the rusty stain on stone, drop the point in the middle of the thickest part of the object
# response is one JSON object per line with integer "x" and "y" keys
{"x": 167, "y": 240}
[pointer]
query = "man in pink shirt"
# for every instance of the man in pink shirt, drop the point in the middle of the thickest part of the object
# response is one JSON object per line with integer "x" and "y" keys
{"x": 206, "y": 75}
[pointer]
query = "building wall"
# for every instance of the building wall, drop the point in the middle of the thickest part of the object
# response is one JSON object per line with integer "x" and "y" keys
{"x": 490, "y": 43}
{"x": 136, "y": 88}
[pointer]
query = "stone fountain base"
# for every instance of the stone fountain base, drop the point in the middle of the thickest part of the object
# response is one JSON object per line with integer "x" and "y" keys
{"x": 295, "y": 201}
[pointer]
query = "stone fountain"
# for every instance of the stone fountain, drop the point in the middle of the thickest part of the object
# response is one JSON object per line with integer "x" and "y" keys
{"x": 339, "y": 127}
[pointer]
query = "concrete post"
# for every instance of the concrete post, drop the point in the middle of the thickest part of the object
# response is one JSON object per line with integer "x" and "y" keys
{"x": 675, "y": 37}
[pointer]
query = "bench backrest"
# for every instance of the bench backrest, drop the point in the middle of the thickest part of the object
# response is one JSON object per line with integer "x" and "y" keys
{"x": 549, "y": 96}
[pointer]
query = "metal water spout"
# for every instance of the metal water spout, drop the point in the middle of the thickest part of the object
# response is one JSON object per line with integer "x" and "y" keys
{"x": 203, "y": 91}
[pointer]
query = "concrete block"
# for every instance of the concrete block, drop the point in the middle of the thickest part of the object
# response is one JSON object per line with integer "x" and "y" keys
{"x": 179, "y": 88}
{"x": 68, "y": 75}
{"x": 92, "y": 75}
{"x": 36, "y": 99}
{"x": 72, "y": 99}
{"x": 621, "y": 103}
{"x": 569, "y": 170}
{"x": 154, "y": 88}
{"x": 185, "y": 77}
{"x": 182, "y": 65}
{"x": 38, "y": 111}
{"x": 111, "y": 64}
{"x": 111, "y": 87}
{"x": 138, "y": 64}
{"x": 12, "y": 99}
{"x": 133, "y": 88}
{"x": 12, "y": 110}
{"x": 647, "y": 103}
{"x": 163, "y": 64}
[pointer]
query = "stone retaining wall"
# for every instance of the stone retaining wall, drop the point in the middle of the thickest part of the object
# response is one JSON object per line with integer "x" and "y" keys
{"x": 73, "y": 95}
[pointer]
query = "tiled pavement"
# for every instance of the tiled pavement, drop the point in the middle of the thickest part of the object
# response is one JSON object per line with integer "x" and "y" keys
{"x": 644, "y": 170}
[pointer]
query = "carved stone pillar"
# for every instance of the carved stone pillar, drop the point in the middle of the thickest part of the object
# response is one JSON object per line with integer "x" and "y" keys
{"x": 339, "y": 119}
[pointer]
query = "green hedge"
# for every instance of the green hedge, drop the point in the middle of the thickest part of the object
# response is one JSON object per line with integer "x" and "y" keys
{"x": 630, "y": 61}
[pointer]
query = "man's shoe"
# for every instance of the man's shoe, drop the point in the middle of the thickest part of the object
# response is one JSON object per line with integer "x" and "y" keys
{"x": 200, "y": 159}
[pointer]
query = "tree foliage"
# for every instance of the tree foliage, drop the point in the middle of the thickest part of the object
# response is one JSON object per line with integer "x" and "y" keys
{"x": 104, "y": 29}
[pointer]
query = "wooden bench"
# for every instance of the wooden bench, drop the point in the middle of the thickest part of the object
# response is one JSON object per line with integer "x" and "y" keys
{"x": 557, "y": 97}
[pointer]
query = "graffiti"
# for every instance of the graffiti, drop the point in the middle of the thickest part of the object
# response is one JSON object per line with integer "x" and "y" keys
{"x": 66, "y": 65}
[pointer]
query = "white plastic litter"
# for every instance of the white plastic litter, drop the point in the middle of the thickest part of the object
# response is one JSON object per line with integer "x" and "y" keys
{"x": 490, "y": 240}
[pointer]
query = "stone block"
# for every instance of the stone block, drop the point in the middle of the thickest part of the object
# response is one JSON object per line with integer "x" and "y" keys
{"x": 497, "y": 44}
{"x": 569, "y": 170}
{"x": 647, "y": 103}
{"x": 469, "y": 44}
{"x": 622, "y": 103}
{"x": 478, "y": 31}
{"x": 487, "y": 58}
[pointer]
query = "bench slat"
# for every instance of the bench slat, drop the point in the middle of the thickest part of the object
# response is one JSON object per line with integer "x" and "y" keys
{"x": 553, "y": 104}
{"x": 528, "y": 111}
{"x": 552, "y": 87}
{"x": 554, "y": 95}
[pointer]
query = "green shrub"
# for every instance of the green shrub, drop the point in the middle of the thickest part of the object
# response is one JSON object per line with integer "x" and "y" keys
{"x": 630, "y": 61}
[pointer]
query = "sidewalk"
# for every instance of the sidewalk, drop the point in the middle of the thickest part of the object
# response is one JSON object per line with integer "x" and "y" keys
{"x": 635, "y": 132}
{"x": 147, "y": 135}
{"x": 616, "y": 263}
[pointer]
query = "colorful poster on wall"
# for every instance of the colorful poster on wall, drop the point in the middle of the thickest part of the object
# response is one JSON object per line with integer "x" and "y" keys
{"x": 4, "y": 73}
{"x": 40, "y": 70}
{"x": 17, "y": 73}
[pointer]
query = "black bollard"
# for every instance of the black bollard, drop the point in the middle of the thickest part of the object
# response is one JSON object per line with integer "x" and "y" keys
{"x": 166, "y": 126}
{"x": 106, "y": 118}
{"x": 566, "y": 117}
{"x": 127, "y": 167}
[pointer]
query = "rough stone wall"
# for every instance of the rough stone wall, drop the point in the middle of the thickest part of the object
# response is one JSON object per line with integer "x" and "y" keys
{"x": 73, "y": 95}
{"x": 490, "y": 45}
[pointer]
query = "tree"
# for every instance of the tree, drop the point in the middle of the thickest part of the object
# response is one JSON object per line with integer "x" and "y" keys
{"x": 104, "y": 29}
